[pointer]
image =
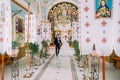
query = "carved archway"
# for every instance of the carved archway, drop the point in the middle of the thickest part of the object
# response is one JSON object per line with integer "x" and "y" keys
{"x": 62, "y": 13}
{"x": 63, "y": 9}
{"x": 60, "y": 1}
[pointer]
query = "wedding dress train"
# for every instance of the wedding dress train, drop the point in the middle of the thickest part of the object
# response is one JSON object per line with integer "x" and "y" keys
{"x": 65, "y": 49}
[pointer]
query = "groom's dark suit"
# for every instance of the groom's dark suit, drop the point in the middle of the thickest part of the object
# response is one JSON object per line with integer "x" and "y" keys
{"x": 57, "y": 43}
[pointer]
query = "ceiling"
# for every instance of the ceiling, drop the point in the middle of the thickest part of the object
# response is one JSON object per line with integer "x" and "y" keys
{"x": 45, "y": 4}
{"x": 17, "y": 10}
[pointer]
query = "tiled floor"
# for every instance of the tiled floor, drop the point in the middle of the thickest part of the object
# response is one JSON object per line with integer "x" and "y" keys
{"x": 63, "y": 67}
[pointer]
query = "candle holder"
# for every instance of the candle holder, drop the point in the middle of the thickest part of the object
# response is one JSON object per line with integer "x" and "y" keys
{"x": 94, "y": 66}
{"x": 87, "y": 77}
{"x": 15, "y": 71}
{"x": 32, "y": 64}
{"x": 28, "y": 74}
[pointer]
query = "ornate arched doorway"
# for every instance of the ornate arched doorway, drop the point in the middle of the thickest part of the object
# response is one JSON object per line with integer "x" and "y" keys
{"x": 61, "y": 16}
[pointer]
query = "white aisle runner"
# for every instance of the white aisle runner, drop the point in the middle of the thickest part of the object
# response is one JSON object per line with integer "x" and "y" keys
{"x": 58, "y": 69}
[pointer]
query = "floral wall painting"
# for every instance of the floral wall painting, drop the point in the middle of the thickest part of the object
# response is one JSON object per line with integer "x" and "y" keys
{"x": 103, "y": 8}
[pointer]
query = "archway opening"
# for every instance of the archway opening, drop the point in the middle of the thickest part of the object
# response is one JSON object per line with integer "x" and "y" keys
{"x": 61, "y": 16}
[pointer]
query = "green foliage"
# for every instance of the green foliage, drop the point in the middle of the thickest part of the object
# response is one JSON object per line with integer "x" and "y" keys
{"x": 15, "y": 44}
{"x": 44, "y": 48}
{"x": 44, "y": 43}
{"x": 70, "y": 42}
{"x": 43, "y": 54}
{"x": 34, "y": 47}
{"x": 75, "y": 45}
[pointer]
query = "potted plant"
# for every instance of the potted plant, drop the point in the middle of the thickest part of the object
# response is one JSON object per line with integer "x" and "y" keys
{"x": 34, "y": 47}
{"x": 77, "y": 50}
{"x": 44, "y": 48}
{"x": 15, "y": 50}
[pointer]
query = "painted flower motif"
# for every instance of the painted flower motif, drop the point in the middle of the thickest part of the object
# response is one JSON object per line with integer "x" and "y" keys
{"x": 87, "y": 24}
{"x": 103, "y": 23}
{"x": 87, "y": 40}
{"x": 104, "y": 40}
{"x": 1, "y": 39}
{"x": 86, "y": 9}
{"x": 118, "y": 40}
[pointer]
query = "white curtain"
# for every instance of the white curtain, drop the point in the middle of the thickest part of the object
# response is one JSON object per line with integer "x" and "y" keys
{"x": 48, "y": 33}
{"x": 95, "y": 31}
{"x": 2, "y": 27}
{"x": 32, "y": 28}
{"x": 45, "y": 31}
{"x": 26, "y": 28}
{"x": 86, "y": 40}
{"x": 87, "y": 28}
{"x": 6, "y": 27}
{"x": 41, "y": 31}
{"x": 116, "y": 27}
{"x": 74, "y": 30}
{"x": 79, "y": 23}
{"x": 103, "y": 38}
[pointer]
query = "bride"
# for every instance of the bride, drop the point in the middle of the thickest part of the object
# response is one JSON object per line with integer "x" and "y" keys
{"x": 65, "y": 49}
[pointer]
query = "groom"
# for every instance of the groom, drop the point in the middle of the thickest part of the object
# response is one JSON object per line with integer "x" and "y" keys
{"x": 57, "y": 43}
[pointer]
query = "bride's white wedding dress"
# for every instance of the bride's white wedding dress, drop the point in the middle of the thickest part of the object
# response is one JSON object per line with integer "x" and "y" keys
{"x": 65, "y": 49}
